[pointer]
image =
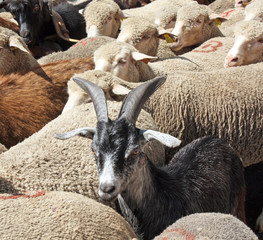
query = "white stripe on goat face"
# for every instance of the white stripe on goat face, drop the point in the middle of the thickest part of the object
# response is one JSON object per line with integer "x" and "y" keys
{"x": 107, "y": 175}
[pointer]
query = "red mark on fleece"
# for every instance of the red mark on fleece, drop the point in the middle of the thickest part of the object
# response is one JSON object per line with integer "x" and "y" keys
{"x": 181, "y": 231}
{"x": 38, "y": 194}
{"x": 84, "y": 42}
{"x": 227, "y": 12}
{"x": 211, "y": 46}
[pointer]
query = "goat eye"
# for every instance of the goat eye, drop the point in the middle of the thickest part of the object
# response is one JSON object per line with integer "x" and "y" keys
{"x": 36, "y": 8}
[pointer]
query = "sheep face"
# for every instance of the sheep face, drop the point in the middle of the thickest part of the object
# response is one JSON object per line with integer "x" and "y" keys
{"x": 121, "y": 60}
{"x": 193, "y": 26}
{"x": 248, "y": 46}
{"x": 30, "y": 15}
{"x": 143, "y": 35}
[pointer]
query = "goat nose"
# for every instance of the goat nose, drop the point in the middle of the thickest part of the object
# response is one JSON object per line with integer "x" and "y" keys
{"x": 107, "y": 188}
{"x": 26, "y": 35}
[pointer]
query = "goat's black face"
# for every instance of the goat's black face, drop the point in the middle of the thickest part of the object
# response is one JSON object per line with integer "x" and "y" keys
{"x": 116, "y": 148}
{"x": 30, "y": 15}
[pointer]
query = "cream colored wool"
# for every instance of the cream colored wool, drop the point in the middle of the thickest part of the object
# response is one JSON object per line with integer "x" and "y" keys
{"x": 226, "y": 103}
{"x": 42, "y": 162}
{"x": 97, "y": 13}
{"x": 250, "y": 29}
{"x": 59, "y": 215}
{"x": 84, "y": 48}
{"x": 233, "y": 16}
{"x": 7, "y": 21}
{"x": 12, "y": 58}
{"x": 219, "y": 6}
{"x": 204, "y": 226}
{"x": 254, "y": 10}
{"x": 2, "y": 148}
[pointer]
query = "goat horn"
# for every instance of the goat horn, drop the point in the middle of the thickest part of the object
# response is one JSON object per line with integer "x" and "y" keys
{"x": 135, "y": 100}
{"x": 97, "y": 96}
{"x": 60, "y": 27}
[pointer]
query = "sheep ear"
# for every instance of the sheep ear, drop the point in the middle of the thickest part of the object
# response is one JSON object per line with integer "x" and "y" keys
{"x": 83, "y": 132}
{"x": 123, "y": 15}
{"x": 169, "y": 37}
{"x": 165, "y": 139}
{"x": 118, "y": 89}
{"x": 137, "y": 56}
{"x": 217, "y": 19}
{"x": 17, "y": 42}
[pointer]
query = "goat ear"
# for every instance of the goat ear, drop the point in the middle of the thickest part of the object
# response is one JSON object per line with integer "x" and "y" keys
{"x": 137, "y": 56}
{"x": 165, "y": 139}
{"x": 17, "y": 42}
{"x": 83, "y": 132}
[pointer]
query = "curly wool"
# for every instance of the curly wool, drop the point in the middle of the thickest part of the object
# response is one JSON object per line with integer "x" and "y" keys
{"x": 252, "y": 29}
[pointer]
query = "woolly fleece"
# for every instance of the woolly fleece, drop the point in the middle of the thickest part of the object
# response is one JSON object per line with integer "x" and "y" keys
{"x": 2, "y": 148}
{"x": 59, "y": 215}
{"x": 42, "y": 162}
{"x": 226, "y": 103}
{"x": 255, "y": 8}
{"x": 212, "y": 226}
{"x": 252, "y": 29}
{"x": 220, "y": 6}
{"x": 97, "y": 12}
{"x": 84, "y": 48}
{"x": 13, "y": 60}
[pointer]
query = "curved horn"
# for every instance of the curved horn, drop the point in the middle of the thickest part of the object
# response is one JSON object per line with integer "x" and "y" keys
{"x": 97, "y": 96}
{"x": 135, "y": 100}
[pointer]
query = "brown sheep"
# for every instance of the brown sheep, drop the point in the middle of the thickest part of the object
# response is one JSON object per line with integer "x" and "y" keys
{"x": 28, "y": 102}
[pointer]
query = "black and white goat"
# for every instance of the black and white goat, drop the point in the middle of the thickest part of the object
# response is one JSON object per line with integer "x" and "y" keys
{"x": 204, "y": 176}
{"x": 37, "y": 20}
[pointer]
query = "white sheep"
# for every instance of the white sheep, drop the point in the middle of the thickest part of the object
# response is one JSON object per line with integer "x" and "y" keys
{"x": 219, "y": 6}
{"x": 15, "y": 55}
{"x": 59, "y": 215}
{"x": 212, "y": 226}
{"x": 195, "y": 24}
{"x": 248, "y": 46}
{"x": 103, "y": 18}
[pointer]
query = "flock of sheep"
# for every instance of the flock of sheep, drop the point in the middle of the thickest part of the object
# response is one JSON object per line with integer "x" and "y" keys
{"x": 211, "y": 55}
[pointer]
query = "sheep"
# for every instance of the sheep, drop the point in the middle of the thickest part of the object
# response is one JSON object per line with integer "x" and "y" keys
{"x": 219, "y": 6}
{"x": 161, "y": 12}
{"x": 84, "y": 48}
{"x": 194, "y": 25}
{"x": 103, "y": 18}
{"x": 59, "y": 215}
{"x": 248, "y": 46}
{"x": 15, "y": 56}
{"x": 211, "y": 226}
{"x": 254, "y": 11}
{"x": 35, "y": 20}
{"x": 127, "y": 174}
{"x": 7, "y": 21}
{"x": 37, "y": 97}
{"x": 42, "y": 162}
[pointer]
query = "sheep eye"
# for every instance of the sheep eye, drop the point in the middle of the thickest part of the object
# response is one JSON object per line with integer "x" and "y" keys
{"x": 145, "y": 37}
{"x": 260, "y": 40}
{"x": 122, "y": 61}
{"x": 109, "y": 18}
{"x": 199, "y": 20}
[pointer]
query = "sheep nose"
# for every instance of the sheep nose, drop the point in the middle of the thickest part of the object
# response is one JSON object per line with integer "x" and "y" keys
{"x": 231, "y": 61}
{"x": 107, "y": 188}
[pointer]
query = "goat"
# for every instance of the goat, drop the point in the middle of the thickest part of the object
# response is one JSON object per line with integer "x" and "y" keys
{"x": 29, "y": 101}
{"x": 36, "y": 23}
{"x": 204, "y": 176}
